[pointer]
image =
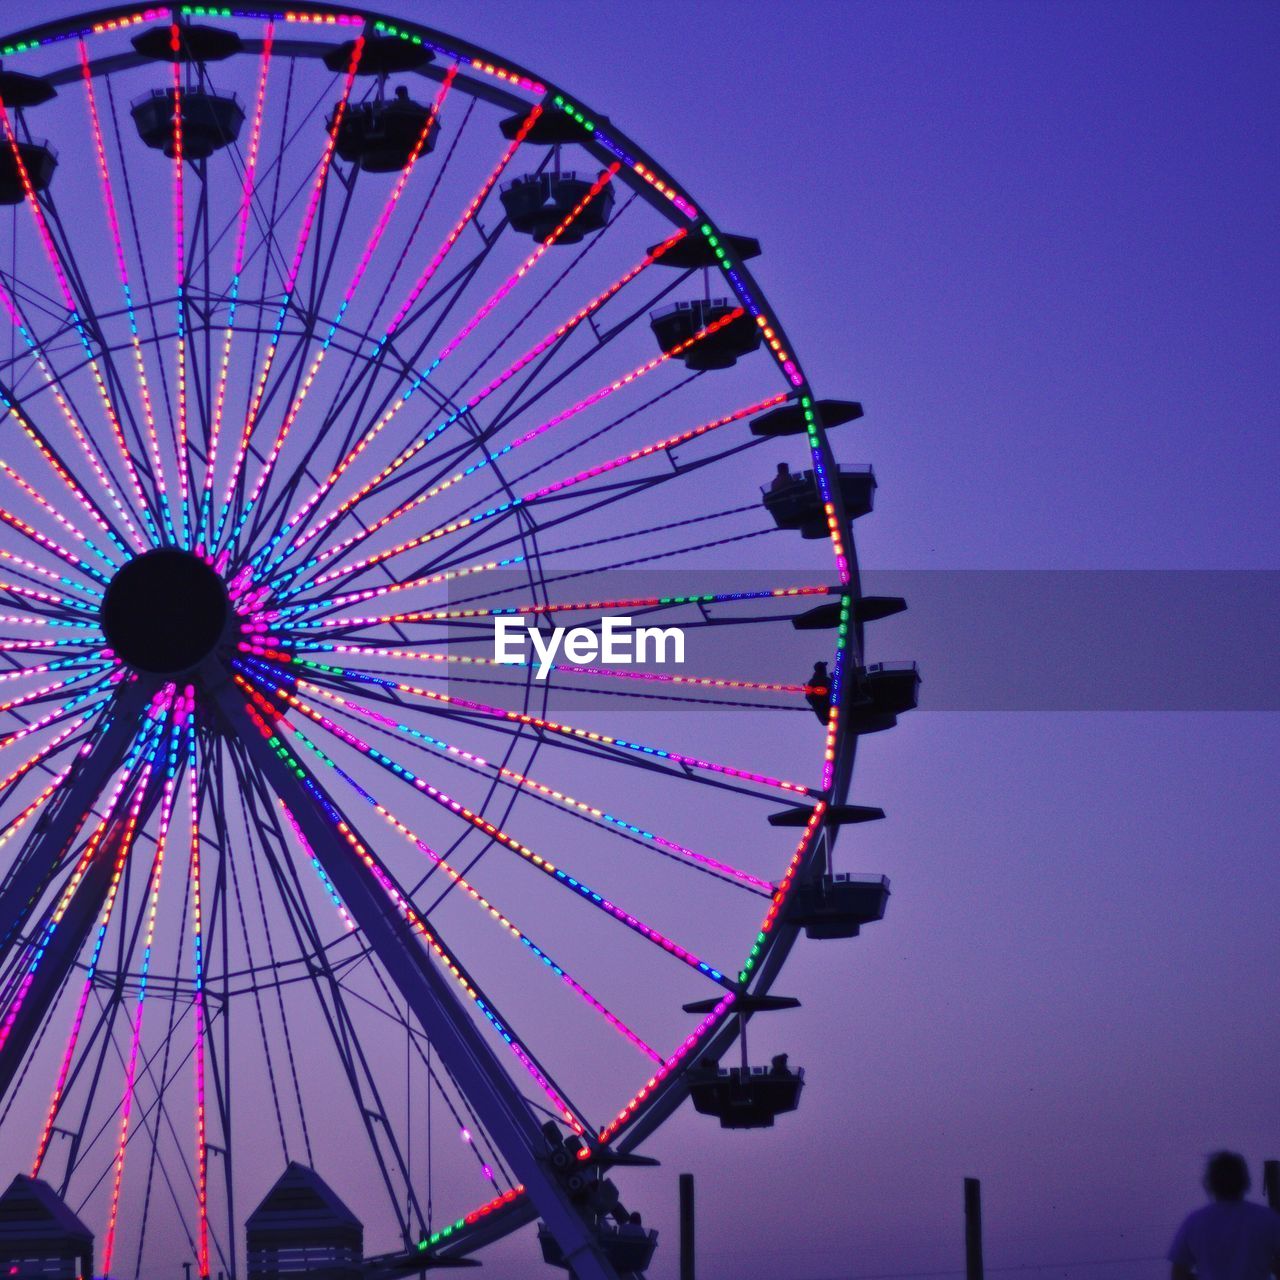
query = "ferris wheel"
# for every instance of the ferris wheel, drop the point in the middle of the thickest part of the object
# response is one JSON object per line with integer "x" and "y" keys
{"x": 370, "y": 403}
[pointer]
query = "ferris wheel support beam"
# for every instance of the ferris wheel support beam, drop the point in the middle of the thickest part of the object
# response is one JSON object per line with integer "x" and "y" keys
{"x": 30, "y": 875}
{"x": 497, "y": 1101}
{"x": 63, "y": 945}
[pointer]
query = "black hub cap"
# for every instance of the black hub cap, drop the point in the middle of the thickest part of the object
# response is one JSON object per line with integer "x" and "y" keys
{"x": 165, "y": 611}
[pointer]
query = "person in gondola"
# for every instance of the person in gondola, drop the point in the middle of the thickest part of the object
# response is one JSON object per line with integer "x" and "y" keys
{"x": 784, "y": 480}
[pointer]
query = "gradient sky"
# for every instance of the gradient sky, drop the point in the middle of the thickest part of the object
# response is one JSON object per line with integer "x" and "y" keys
{"x": 1038, "y": 241}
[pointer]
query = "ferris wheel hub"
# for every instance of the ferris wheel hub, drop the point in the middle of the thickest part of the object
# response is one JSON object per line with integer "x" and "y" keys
{"x": 165, "y": 611}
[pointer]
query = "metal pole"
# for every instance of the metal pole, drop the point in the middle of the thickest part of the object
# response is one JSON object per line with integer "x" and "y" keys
{"x": 1271, "y": 1183}
{"x": 462, "y": 1047}
{"x": 686, "y": 1227}
{"x": 972, "y": 1229}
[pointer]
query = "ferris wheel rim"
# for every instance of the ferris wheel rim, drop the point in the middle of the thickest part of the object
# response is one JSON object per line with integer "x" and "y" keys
{"x": 653, "y": 184}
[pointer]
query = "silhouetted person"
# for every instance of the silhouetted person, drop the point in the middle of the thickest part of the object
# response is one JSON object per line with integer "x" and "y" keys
{"x": 778, "y": 1066}
{"x": 820, "y": 702}
{"x": 783, "y": 480}
{"x": 1231, "y": 1238}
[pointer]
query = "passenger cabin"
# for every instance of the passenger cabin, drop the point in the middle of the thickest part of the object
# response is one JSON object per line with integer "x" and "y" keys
{"x": 210, "y": 121}
{"x": 538, "y": 203}
{"x": 302, "y": 1228}
{"x": 41, "y": 1237}
{"x": 798, "y": 505}
{"x": 629, "y": 1246}
{"x": 38, "y": 159}
{"x": 745, "y": 1097}
{"x": 380, "y": 135}
{"x": 838, "y": 906}
{"x": 883, "y": 692}
{"x": 676, "y": 327}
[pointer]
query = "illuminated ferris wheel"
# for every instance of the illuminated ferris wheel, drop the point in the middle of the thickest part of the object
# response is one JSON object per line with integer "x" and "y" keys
{"x": 369, "y": 403}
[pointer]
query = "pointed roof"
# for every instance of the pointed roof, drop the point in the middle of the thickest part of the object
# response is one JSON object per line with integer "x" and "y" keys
{"x": 301, "y": 1197}
{"x": 32, "y": 1210}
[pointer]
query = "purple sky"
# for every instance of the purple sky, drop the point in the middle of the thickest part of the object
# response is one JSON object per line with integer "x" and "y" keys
{"x": 1039, "y": 243}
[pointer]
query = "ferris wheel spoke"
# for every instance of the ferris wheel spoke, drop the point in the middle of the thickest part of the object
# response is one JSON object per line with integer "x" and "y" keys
{"x": 356, "y": 1065}
{"x": 290, "y": 283}
{"x": 508, "y": 722}
{"x": 394, "y": 897}
{"x": 51, "y": 545}
{"x": 150, "y": 1115}
{"x": 113, "y": 221}
{"x": 72, "y": 707}
{"x": 597, "y": 496}
{"x": 515, "y": 780}
{"x": 74, "y": 309}
{"x": 460, "y": 811}
{"x": 361, "y": 268}
{"x": 444, "y": 660}
{"x": 439, "y": 473}
{"x": 525, "y": 437}
{"x": 181, "y": 714}
{"x": 60, "y": 1085}
{"x": 96, "y": 512}
{"x": 224, "y": 367}
{"x": 405, "y": 314}
{"x": 439, "y": 487}
{"x": 458, "y": 880}
{"x": 367, "y": 1093}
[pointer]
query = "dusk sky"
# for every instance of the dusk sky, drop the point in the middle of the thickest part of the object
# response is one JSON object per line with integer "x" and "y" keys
{"x": 1038, "y": 242}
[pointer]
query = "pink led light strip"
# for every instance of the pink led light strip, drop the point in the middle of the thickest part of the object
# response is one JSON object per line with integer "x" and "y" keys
{"x": 51, "y": 253}
{"x": 405, "y": 908}
{"x": 461, "y": 225}
{"x": 45, "y": 505}
{"x": 578, "y": 606}
{"x": 529, "y": 263}
{"x": 513, "y": 930}
{"x": 347, "y": 921}
{"x": 670, "y": 442}
{"x": 77, "y": 1022}
{"x": 73, "y": 884}
{"x": 126, "y": 1105}
{"x": 446, "y": 801}
{"x": 447, "y": 575}
{"x": 669, "y": 1064}
{"x": 202, "y": 1144}
{"x": 180, "y": 279}
{"x": 405, "y": 308}
{"x": 291, "y": 280}
{"x": 566, "y": 730}
{"x": 246, "y": 204}
{"x": 42, "y": 540}
{"x": 113, "y": 221}
{"x": 610, "y": 673}
{"x": 562, "y": 798}
{"x": 53, "y": 716}
{"x": 375, "y": 239}
{"x": 396, "y": 463}
{"x": 73, "y": 487}
{"x": 77, "y": 430}
{"x": 536, "y": 350}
